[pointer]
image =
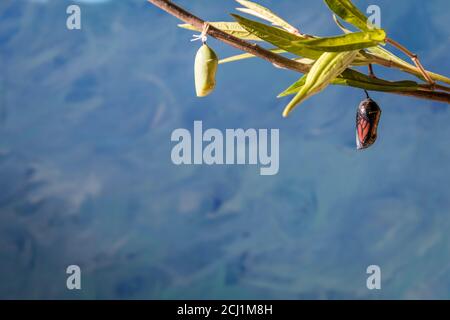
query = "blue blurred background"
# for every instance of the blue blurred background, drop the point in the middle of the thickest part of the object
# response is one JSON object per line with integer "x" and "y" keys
{"x": 86, "y": 176}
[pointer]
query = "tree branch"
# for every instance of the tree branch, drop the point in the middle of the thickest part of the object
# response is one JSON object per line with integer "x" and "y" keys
{"x": 237, "y": 43}
{"x": 271, "y": 57}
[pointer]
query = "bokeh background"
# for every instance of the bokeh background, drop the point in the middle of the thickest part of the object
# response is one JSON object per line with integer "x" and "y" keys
{"x": 86, "y": 176}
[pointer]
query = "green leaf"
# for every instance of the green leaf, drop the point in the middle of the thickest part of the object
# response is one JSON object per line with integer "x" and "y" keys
{"x": 340, "y": 25}
{"x": 323, "y": 72}
{"x": 232, "y": 28}
{"x": 247, "y": 56}
{"x": 356, "y": 79}
{"x": 347, "y": 11}
{"x": 347, "y": 42}
{"x": 381, "y": 52}
{"x": 262, "y": 12}
{"x": 312, "y": 49}
{"x": 400, "y": 63}
{"x": 294, "y": 88}
{"x": 362, "y": 59}
{"x": 278, "y": 37}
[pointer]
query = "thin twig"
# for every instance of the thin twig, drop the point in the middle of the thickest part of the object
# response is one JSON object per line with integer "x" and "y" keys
{"x": 413, "y": 57}
{"x": 271, "y": 57}
{"x": 371, "y": 73}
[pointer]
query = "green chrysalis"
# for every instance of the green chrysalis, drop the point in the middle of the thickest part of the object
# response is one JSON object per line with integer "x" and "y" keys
{"x": 205, "y": 69}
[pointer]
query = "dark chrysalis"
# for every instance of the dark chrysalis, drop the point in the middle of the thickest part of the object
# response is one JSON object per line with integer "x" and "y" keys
{"x": 367, "y": 119}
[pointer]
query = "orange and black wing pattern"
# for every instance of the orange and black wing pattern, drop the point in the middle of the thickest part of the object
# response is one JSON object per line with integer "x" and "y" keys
{"x": 367, "y": 120}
